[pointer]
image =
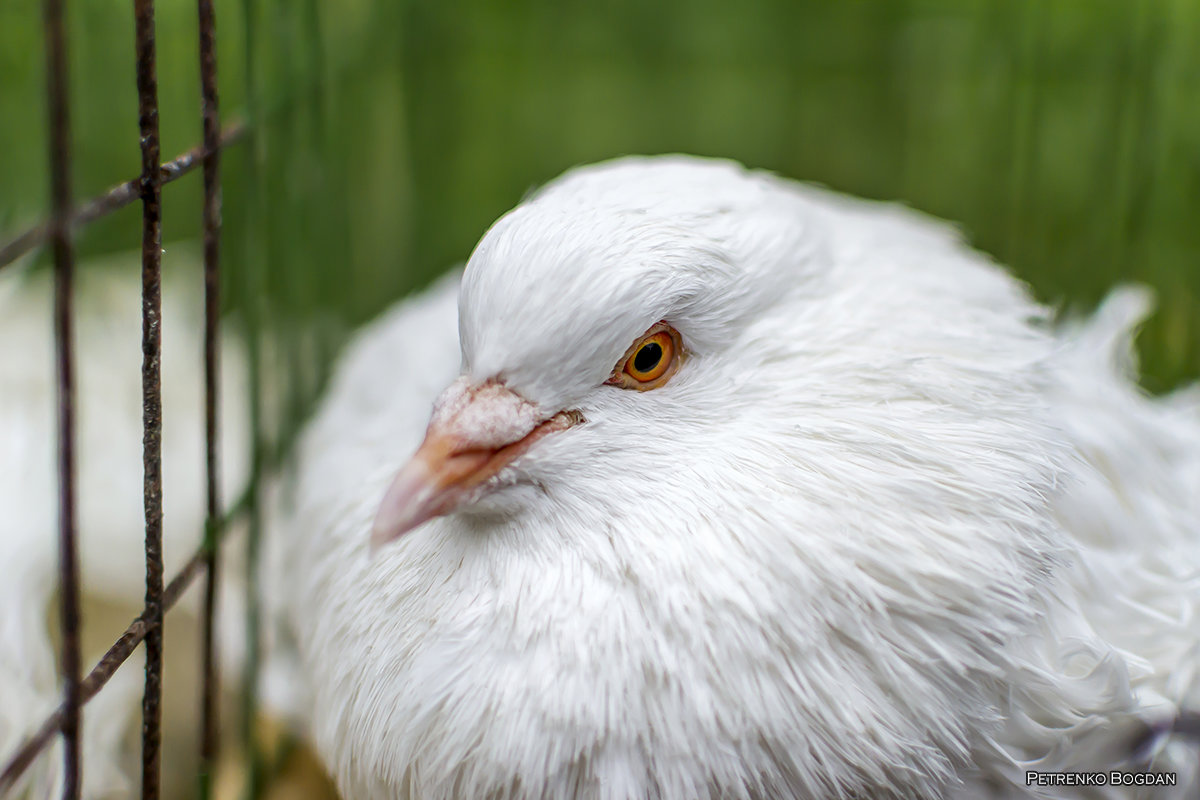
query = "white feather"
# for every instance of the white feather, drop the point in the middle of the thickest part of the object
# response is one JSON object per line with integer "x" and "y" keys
{"x": 109, "y": 490}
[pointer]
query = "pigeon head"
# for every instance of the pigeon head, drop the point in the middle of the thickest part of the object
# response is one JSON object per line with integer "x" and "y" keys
{"x": 609, "y": 298}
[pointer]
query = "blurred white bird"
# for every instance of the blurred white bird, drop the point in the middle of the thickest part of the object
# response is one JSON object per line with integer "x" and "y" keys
{"x": 109, "y": 402}
{"x": 29, "y": 688}
{"x": 741, "y": 489}
{"x": 109, "y": 434}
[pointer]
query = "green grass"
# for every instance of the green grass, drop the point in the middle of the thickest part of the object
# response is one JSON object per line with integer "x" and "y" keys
{"x": 1064, "y": 136}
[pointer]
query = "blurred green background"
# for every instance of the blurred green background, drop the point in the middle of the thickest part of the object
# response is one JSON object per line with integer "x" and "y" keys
{"x": 1063, "y": 135}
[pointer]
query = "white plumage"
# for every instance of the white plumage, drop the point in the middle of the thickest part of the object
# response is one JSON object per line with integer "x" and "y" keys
{"x": 108, "y": 400}
{"x": 109, "y": 491}
{"x": 886, "y": 533}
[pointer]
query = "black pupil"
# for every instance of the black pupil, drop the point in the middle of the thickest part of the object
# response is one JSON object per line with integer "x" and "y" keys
{"x": 647, "y": 357}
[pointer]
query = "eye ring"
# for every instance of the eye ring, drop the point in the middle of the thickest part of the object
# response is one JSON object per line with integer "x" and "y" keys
{"x": 650, "y": 361}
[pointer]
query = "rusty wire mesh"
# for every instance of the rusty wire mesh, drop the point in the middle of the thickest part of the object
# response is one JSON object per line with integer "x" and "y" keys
{"x": 57, "y": 230}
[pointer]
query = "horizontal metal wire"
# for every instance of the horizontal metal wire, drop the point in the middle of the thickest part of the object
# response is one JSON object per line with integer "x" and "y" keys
{"x": 117, "y": 197}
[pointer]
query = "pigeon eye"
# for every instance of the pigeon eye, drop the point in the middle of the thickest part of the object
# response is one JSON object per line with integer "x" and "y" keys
{"x": 650, "y": 362}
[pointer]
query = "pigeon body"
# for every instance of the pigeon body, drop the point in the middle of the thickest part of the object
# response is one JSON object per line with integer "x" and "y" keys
{"x": 882, "y": 530}
{"x": 109, "y": 497}
{"x": 109, "y": 402}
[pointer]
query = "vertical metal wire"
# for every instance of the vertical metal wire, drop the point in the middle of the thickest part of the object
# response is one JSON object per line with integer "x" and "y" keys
{"x": 209, "y": 736}
{"x": 60, "y": 237}
{"x": 151, "y": 191}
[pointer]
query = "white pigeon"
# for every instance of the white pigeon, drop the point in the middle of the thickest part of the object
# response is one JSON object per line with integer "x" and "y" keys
{"x": 109, "y": 482}
{"x": 738, "y": 488}
{"x": 30, "y": 690}
{"x": 108, "y": 358}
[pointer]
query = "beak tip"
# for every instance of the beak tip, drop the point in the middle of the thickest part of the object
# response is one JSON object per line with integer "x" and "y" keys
{"x": 403, "y": 506}
{"x": 379, "y": 537}
{"x": 388, "y": 528}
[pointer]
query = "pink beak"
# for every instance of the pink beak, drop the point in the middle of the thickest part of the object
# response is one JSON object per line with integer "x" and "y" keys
{"x": 474, "y": 433}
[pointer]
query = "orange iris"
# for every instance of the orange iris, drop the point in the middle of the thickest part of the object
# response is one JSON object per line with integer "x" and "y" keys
{"x": 651, "y": 361}
{"x": 651, "y": 358}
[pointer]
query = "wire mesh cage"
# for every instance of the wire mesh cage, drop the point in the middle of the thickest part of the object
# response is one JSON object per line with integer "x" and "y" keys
{"x": 202, "y": 565}
{"x": 147, "y": 628}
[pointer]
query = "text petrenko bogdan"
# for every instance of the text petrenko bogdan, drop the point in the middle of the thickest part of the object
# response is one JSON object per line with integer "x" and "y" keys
{"x": 1111, "y": 778}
